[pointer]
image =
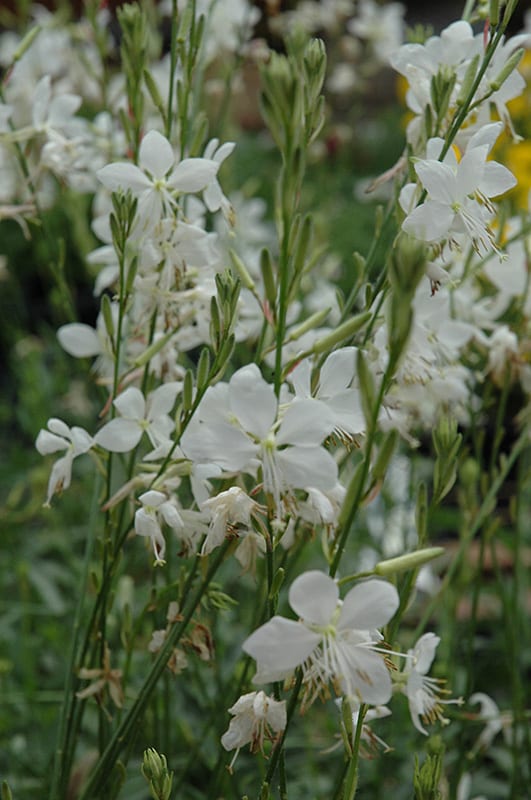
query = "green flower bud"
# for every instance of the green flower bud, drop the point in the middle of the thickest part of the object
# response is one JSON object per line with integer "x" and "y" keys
{"x": 343, "y": 332}
{"x": 392, "y": 566}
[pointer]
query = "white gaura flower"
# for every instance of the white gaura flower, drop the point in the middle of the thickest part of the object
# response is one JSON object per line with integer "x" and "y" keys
{"x": 495, "y": 721}
{"x": 138, "y": 416}
{"x": 424, "y": 693}
{"x": 230, "y": 512}
{"x": 333, "y": 641}
{"x": 255, "y": 717}
{"x": 74, "y": 441}
{"x": 335, "y": 390}
{"x": 213, "y": 195}
{"x": 459, "y": 193}
{"x": 157, "y": 179}
{"x": 238, "y": 427}
{"x": 156, "y": 507}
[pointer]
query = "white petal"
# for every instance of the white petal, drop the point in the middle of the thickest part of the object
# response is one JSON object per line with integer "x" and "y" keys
{"x": 156, "y": 154}
{"x": 369, "y": 605}
{"x": 337, "y": 371}
{"x": 119, "y": 435}
{"x": 239, "y": 733}
{"x": 153, "y": 498}
{"x": 47, "y": 442}
{"x": 304, "y": 467}
{"x": 496, "y": 179}
{"x": 131, "y": 403}
{"x": 124, "y": 176}
{"x": 79, "y": 340}
{"x": 369, "y": 676}
{"x": 81, "y": 440}
{"x": 313, "y": 596}
{"x": 306, "y": 423}
{"x": 424, "y": 652}
{"x": 279, "y": 646}
{"x": 221, "y": 444}
{"x": 193, "y": 174}
{"x": 438, "y": 179}
{"x": 429, "y": 221}
{"x": 162, "y": 400}
{"x": 252, "y": 401}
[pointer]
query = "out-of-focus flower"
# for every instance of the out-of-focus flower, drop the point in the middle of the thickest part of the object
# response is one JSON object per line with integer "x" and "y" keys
{"x": 74, "y": 441}
{"x": 424, "y": 693}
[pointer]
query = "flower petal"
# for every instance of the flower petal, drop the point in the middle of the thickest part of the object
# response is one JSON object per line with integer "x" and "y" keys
{"x": 306, "y": 423}
{"x": 305, "y": 467}
{"x": 368, "y": 605}
{"x": 119, "y": 435}
{"x": 79, "y": 340}
{"x": 156, "y": 154}
{"x": 131, "y": 403}
{"x": 124, "y": 176}
{"x": 252, "y": 401}
{"x": 193, "y": 174}
{"x": 313, "y": 596}
{"x": 278, "y": 647}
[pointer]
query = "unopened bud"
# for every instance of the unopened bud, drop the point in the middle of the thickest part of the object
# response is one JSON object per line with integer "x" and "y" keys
{"x": 242, "y": 271}
{"x": 155, "y": 771}
{"x": 343, "y": 332}
{"x": 392, "y": 566}
{"x": 507, "y": 69}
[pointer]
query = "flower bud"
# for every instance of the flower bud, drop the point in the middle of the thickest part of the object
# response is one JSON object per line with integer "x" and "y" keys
{"x": 343, "y": 332}
{"x": 155, "y": 771}
{"x": 408, "y": 561}
{"x": 507, "y": 69}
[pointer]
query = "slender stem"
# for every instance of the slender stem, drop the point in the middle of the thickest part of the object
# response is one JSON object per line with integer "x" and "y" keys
{"x": 66, "y": 742}
{"x": 484, "y": 511}
{"x": 351, "y": 780}
{"x": 120, "y": 737}
{"x": 173, "y": 65}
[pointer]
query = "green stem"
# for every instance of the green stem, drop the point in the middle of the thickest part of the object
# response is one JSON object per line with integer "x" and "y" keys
{"x": 484, "y": 511}
{"x": 351, "y": 780}
{"x": 66, "y": 742}
{"x": 109, "y": 758}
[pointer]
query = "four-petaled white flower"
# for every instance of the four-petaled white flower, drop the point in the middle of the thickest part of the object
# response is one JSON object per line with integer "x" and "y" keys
{"x": 424, "y": 693}
{"x": 333, "y": 641}
{"x": 255, "y": 717}
{"x": 75, "y": 441}
{"x": 238, "y": 427}
{"x": 458, "y": 194}
{"x": 157, "y": 180}
{"x": 138, "y": 416}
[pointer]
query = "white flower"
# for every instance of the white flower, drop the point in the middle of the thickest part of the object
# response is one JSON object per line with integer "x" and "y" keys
{"x": 458, "y": 195}
{"x": 156, "y": 507}
{"x": 212, "y": 195}
{"x": 237, "y": 427}
{"x": 75, "y": 441}
{"x": 228, "y": 511}
{"x": 341, "y": 400}
{"x": 138, "y": 416}
{"x": 333, "y": 641}
{"x": 495, "y": 722}
{"x": 423, "y": 693}
{"x": 157, "y": 179}
{"x": 255, "y": 717}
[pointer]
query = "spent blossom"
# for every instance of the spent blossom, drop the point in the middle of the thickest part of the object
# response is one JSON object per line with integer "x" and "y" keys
{"x": 256, "y": 716}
